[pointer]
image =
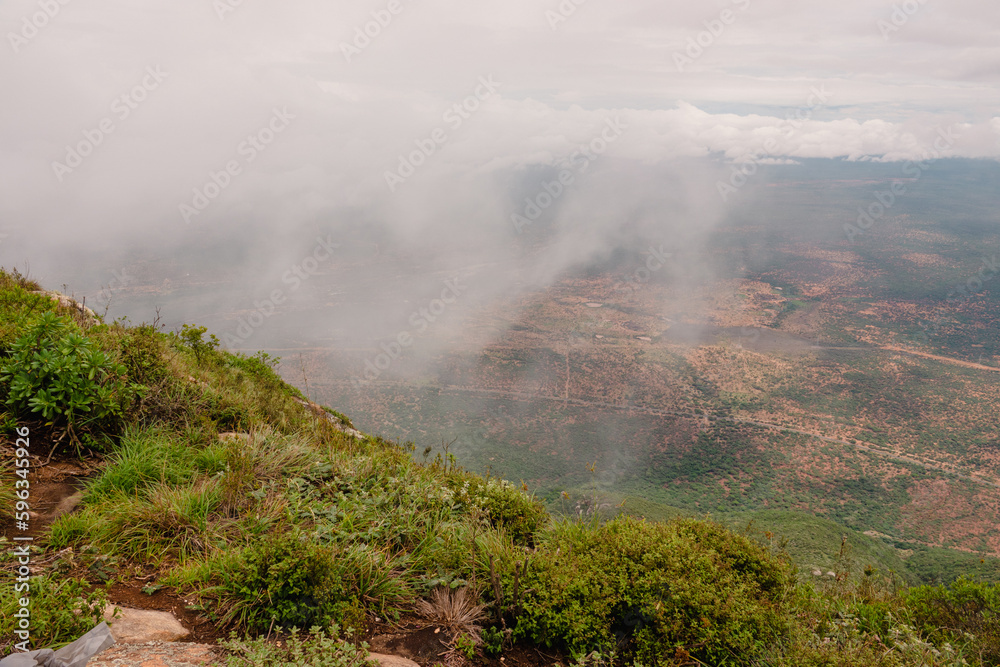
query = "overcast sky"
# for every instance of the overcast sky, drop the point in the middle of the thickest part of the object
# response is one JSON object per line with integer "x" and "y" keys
{"x": 117, "y": 116}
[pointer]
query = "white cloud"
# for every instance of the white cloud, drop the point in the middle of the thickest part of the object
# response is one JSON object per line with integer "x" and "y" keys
{"x": 887, "y": 99}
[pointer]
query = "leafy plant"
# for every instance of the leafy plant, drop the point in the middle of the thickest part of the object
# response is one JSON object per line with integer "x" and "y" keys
{"x": 287, "y": 582}
{"x": 951, "y": 613}
{"x": 192, "y": 336}
{"x": 493, "y": 640}
{"x": 317, "y": 650}
{"x": 466, "y": 645}
{"x": 62, "y": 610}
{"x": 505, "y": 505}
{"x": 57, "y": 373}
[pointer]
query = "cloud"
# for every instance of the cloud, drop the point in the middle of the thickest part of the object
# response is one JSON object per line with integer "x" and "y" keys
{"x": 753, "y": 85}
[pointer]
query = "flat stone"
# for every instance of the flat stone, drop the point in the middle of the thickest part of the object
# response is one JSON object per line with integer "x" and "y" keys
{"x": 157, "y": 654}
{"x": 392, "y": 660}
{"x": 134, "y": 626}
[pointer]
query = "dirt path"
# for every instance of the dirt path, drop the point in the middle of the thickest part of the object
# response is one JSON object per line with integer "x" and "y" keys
{"x": 158, "y": 654}
{"x": 947, "y": 360}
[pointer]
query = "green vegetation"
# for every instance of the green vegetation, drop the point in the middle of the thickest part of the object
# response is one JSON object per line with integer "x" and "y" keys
{"x": 275, "y": 519}
{"x": 318, "y": 650}
{"x": 57, "y": 373}
{"x": 687, "y": 586}
{"x": 62, "y": 609}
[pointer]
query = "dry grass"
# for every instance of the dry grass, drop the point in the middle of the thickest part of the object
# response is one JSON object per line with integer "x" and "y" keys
{"x": 458, "y": 611}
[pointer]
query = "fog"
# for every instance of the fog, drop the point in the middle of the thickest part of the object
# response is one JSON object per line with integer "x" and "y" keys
{"x": 313, "y": 174}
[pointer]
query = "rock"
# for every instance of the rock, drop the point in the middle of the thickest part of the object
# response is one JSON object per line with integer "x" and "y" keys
{"x": 392, "y": 660}
{"x": 817, "y": 573}
{"x": 134, "y": 626}
{"x": 156, "y": 654}
{"x": 326, "y": 416}
{"x": 831, "y": 574}
{"x": 67, "y": 505}
{"x": 68, "y": 302}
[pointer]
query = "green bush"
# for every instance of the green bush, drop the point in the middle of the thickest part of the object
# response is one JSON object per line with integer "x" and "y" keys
{"x": 288, "y": 582}
{"x": 950, "y": 613}
{"x": 506, "y": 506}
{"x": 662, "y": 590}
{"x": 62, "y": 610}
{"x": 192, "y": 337}
{"x": 57, "y": 373}
{"x": 141, "y": 352}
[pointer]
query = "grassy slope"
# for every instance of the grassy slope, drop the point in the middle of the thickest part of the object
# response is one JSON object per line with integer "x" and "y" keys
{"x": 297, "y": 522}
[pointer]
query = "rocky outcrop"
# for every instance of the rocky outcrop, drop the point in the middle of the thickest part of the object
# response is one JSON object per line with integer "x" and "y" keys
{"x": 89, "y": 316}
{"x": 331, "y": 419}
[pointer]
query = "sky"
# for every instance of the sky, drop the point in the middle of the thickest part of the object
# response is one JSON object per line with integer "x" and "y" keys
{"x": 436, "y": 125}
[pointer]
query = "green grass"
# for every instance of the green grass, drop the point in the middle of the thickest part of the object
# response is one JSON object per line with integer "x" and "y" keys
{"x": 289, "y": 522}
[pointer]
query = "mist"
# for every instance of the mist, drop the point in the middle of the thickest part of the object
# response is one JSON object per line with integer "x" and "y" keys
{"x": 398, "y": 181}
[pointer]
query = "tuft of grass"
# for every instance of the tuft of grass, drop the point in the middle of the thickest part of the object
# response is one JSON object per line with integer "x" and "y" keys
{"x": 142, "y": 459}
{"x": 455, "y": 609}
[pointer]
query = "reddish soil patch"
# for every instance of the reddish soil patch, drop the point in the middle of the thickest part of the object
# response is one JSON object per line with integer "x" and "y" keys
{"x": 49, "y": 485}
{"x": 156, "y": 654}
{"x": 414, "y": 638}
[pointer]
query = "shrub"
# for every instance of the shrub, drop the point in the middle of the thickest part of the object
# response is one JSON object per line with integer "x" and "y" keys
{"x": 947, "y": 613}
{"x": 59, "y": 374}
{"x": 192, "y": 337}
{"x": 287, "y": 582}
{"x": 663, "y": 590}
{"x": 506, "y": 506}
{"x": 141, "y": 352}
{"x": 62, "y": 610}
{"x": 260, "y": 366}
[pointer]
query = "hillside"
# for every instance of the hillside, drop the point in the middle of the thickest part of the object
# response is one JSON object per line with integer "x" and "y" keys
{"x": 211, "y": 483}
